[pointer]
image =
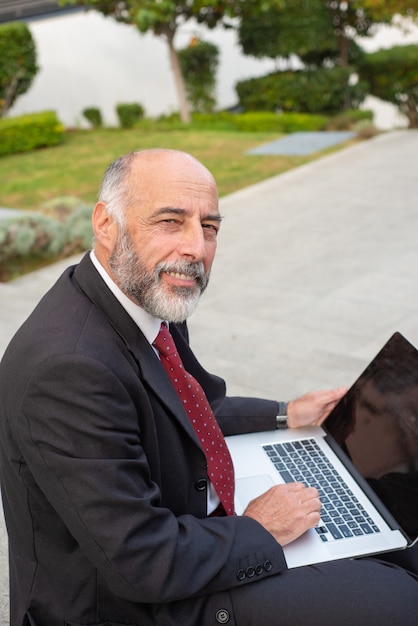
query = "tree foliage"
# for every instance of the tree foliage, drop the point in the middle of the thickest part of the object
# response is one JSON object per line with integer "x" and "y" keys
{"x": 383, "y": 11}
{"x": 316, "y": 30}
{"x": 17, "y": 63}
{"x": 393, "y": 76}
{"x": 304, "y": 28}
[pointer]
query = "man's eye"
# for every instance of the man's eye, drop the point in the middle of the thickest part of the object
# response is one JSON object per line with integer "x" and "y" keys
{"x": 211, "y": 228}
{"x": 170, "y": 221}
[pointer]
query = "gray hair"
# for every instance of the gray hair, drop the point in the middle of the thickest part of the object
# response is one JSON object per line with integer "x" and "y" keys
{"x": 114, "y": 191}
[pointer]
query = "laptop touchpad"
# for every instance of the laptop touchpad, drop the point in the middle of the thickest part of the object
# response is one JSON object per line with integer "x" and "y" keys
{"x": 246, "y": 489}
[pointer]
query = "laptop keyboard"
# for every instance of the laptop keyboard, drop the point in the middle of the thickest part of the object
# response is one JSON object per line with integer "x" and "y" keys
{"x": 342, "y": 515}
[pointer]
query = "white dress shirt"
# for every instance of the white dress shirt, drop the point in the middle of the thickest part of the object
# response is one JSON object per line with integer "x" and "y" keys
{"x": 150, "y": 327}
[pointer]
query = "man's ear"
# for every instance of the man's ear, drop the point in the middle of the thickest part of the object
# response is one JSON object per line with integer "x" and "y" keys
{"x": 104, "y": 227}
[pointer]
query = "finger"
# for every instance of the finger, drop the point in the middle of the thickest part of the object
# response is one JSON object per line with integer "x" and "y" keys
{"x": 311, "y": 500}
{"x": 312, "y": 492}
{"x": 313, "y": 519}
{"x": 295, "y": 486}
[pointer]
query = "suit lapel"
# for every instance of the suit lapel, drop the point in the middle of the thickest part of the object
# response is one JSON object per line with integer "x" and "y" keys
{"x": 151, "y": 371}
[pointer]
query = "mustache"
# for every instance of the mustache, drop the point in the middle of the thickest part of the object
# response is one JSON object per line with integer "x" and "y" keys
{"x": 188, "y": 268}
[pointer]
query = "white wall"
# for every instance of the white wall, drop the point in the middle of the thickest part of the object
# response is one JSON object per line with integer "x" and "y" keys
{"x": 89, "y": 60}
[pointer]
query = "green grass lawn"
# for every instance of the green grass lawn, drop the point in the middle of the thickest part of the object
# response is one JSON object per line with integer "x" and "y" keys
{"x": 75, "y": 168}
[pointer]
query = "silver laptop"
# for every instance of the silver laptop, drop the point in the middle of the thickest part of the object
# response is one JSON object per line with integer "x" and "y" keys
{"x": 364, "y": 463}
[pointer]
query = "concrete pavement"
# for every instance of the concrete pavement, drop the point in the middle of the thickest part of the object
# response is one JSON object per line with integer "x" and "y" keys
{"x": 316, "y": 268}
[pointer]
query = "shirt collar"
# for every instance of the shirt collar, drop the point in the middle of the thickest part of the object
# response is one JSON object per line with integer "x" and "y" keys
{"x": 148, "y": 324}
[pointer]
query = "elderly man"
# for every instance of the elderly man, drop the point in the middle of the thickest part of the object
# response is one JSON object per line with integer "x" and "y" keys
{"x": 116, "y": 480}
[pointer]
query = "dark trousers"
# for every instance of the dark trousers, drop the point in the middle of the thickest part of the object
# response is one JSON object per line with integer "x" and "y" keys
{"x": 368, "y": 591}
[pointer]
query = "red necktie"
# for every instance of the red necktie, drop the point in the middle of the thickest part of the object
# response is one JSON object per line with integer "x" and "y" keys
{"x": 198, "y": 410}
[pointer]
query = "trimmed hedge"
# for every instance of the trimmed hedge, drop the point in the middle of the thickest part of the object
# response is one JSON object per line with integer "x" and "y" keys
{"x": 129, "y": 114}
{"x": 280, "y": 122}
{"x": 28, "y": 132}
{"x": 324, "y": 91}
{"x": 261, "y": 121}
{"x": 94, "y": 116}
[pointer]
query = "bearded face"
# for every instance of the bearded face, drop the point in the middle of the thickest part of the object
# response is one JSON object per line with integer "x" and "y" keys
{"x": 146, "y": 287}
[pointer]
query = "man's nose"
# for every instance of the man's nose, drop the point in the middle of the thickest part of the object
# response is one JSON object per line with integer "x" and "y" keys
{"x": 192, "y": 242}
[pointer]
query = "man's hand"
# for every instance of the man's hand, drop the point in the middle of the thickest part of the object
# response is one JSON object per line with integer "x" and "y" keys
{"x": 286, "y": 511}
{"x": 313, "y": 408}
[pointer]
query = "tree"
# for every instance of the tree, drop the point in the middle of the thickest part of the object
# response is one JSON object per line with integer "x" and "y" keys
{"x": 164, "y": 17}
{"x": 319, "y": 32}
{"x": 301, "y": 28}
{"x": 17, "y": 63}
{"x": 393, "y": 76}
{"x": 316, "y": 30}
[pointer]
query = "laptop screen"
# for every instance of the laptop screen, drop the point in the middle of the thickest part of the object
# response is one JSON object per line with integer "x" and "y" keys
{"x": 376, "y": 424}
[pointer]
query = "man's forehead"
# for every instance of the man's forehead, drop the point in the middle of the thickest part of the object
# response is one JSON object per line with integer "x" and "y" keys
{"x": 155, "y": 187}
{"x": 169, "y": 167}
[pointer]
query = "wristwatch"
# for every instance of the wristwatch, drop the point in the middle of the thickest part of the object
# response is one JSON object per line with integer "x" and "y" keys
{"x": 281, "y": 417}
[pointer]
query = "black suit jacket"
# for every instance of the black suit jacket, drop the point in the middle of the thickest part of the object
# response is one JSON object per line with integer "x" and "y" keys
{"x": 103, "y": 479}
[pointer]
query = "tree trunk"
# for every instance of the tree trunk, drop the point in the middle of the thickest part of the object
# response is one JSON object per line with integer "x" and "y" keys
{"x": 178, "y": 80}
{"x": 411, "y": 112}
{"x": 339, "y": 22}
{"x": 343, "y": 46}
{"x": 10, "y": 93}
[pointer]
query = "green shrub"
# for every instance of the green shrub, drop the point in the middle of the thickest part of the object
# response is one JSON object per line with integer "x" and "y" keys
{"x": 61, "y": 207}
{"x": 94, "y": 116}
{"x": 219, "y": 121}
{"x": 199, "y": 62}
{"x": 365, "y": 130}
{"x": 17, "y": 63}
{"x": 392, "y": 75}
{"x": 36, "y": 236}
{"x": 28, "y": 132}
{"x": 162, "y": 123}
{"x": 350, "y": 119}
{"x": 29, "y": 234}
{"x": 260, "y": 122}
{"x": 78, "y": 230}
{"x": 129, "y": 114}
{"x": 251, "y": 121}
{"x": 280, "y": 122}
{"x": 324, "y": 91}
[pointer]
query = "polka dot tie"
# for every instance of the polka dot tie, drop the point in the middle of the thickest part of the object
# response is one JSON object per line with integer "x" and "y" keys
{"x": 198, "y": 410}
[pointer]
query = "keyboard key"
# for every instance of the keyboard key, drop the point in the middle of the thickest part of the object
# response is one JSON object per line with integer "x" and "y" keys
{"x": 366, "y": 529}
{"x": 279, "y": 449}
{"x": 334, "y": 531}
{"x": 287, "y": 477}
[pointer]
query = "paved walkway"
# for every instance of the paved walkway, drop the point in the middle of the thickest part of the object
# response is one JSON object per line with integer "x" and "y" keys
{"x": 315, "y": 270}
{"x": 303, "y": 143}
